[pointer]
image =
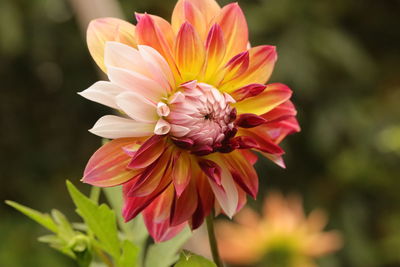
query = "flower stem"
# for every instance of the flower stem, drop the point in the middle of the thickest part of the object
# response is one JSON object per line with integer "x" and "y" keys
{"x": 213, "y": 241}
{"x": 95, "y": 194}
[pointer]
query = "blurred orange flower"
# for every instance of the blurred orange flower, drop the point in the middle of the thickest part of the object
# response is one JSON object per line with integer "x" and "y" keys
{"x": 282, "y": 236}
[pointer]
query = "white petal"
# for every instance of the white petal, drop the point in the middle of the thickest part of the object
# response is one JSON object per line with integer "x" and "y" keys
{"x": 228, "y": 197}
{"x": 137, "y": 107}
{"x": 157, "y": 65}
{"x": 103, "y": 92}
{"x": 123, "y": 56}
{"x": 137, "y": 83}
{"x": 162, "y": 127}
{"x": 112, "y": 127}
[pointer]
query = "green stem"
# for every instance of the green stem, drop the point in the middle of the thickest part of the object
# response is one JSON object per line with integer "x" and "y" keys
{"x": 213, "y": 241}
{"x": 95, "y": 194}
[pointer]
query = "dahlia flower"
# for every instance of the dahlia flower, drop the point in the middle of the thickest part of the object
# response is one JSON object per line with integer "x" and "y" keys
{"x": 193, "y": 106}
{"x": 283, "y": 229}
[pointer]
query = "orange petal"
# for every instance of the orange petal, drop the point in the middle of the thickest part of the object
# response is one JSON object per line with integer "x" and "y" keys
{"x": 274, "y": 95}
{"x": 108, "y": 29}
{"x": 149, "y": 33}
{"x": 149, "y": 152}
{"x": 108, "y": 165}
{"x": 181, "y": 172}
{"x": 236, "y": 66}
{"x": 163, "y": 25}
{"x": 215, "y": 47}
{"x": 234, "y": 26}
{"x": 261, "y": 64}
{"x": 194, "y": 10}
{"x": 242, "y": 172}
{"x": 189, "y": 52}
{"x": 150, "y": 178}
{"x": 184, "y": 205}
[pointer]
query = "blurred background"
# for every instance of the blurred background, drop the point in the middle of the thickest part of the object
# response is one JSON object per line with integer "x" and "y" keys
{"x": 341, "y": 58}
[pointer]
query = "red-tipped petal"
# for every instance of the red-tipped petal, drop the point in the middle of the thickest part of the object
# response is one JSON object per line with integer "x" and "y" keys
{"x": 150, "y": 178}
{"x": 215, "y": 49}
{"x": 236, "y": 66}
{"x": 270, "y": 98}
{"x": 148, "y": 152}
{"x": 149, "y": 33}
{"x": 249, "y": 120}
{"x": 262, "y": 139}
{"x": 234, "y": 27}
{"x": 108, "y": 165}
{"x": 134, "y": 205}
{"x": 189, "y": 52}
{"x": 184, "y": 205}
{"x": 242, "y": 172}
{"x": 261, "y": 64}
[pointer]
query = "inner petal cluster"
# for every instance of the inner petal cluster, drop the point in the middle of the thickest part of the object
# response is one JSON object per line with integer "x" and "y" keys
{"x": 199, "y": 118}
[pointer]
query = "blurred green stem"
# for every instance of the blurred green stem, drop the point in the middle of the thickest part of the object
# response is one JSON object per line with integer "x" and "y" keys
{"x": 95, "y": 194}
{"x": 213, "y": 241}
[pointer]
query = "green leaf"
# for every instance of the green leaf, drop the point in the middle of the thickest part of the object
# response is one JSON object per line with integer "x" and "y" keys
{"x": 43, "y": 219}
{"x": 188, "y": 259}
{"x": 165, "y": 254}
{"x": 100, "y": 219}
{"x": 65, "y": 230}
{"x": 134, "y": 230}
{"x": 129, "y": 255}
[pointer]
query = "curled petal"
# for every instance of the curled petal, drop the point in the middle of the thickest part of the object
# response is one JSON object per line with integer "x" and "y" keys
{"x": 249, "y": 120}
{"x": 189, "y": 52}
{"x": 150, "y": 151}
{"x": 113, "y": 127}
{"x": 211, "y": 169}
{"x": 234, "y": 26}
{"x": 162, "y": 127}
{"x": 103, "y": 92}
{"x": 259, "y": 139}
{"x": 205, "y": 197}
{"x": 137, "y": 107}
{"x": 108, "y": 165}
{"x": 108, "y": 29}
{"x": 273, "y": 96}
{"x": 283, "y": 111}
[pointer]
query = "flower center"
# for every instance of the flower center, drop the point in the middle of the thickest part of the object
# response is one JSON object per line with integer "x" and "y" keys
{"x": 201, "y": 118}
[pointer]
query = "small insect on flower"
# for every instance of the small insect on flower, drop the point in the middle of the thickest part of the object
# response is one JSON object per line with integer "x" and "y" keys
{"x": 282, "y": 236}
{"x": 193, "y": 104}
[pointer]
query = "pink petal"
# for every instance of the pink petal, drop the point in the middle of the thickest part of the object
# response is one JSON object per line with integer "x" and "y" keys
{"x": 181, "y": 173}
{"x": 102, "y": 92}
{"x": 137, "y": 107}
{"x": 136, "y": 83}
{"x": 113, "y": 127}
{"x": 108, "y": 165}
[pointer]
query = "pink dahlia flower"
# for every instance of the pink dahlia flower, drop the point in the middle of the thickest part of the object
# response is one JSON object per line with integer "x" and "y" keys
{"x": 193, "y": 107}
